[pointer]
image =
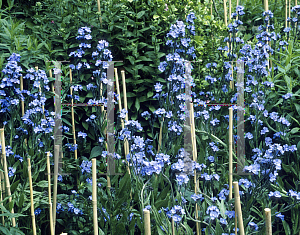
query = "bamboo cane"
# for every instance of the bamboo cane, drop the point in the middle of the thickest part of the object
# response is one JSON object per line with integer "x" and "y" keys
{"x": 290, "y": 12}
{"x": 230, "y": 152}
{"x": 31, "y": 197}
{"x": 56, "y": 157}
{"x": 238, "y": 207}
{"x": 120, "y": 108}
{"x": 225, "y": 12}
{"x": 125, "y": 107}
{"x": 99, "y": 10}
{"x": 268, "y": 221}
{"x": 3, "y": 221}
{"x": 235, "y": 223}
{"x": 194, "y": 144}
{"x": 73, "y": 124}
{"x": 72, "y": 113}
{"x": 173, "y": 227}
{"x": 160, "y": 135}
{"x": 211, "y": 8}
{"x": 122, "y": 124}
{"x": 6, "y": 174}
{"x": 147, "y": 222}
{"x": 286, "y": 13}
{"x": 94, "y": 196}
{"x": 229, "y": 9}
{"x": 49, "y": 194}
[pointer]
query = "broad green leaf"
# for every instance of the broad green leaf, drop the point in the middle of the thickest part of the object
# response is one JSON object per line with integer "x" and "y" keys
{"x": 140, "y": 14}
{"x": 96, "y": 151}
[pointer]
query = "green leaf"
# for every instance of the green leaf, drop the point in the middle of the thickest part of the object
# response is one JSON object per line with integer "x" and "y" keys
{"x": 42, "y": 184}
{"x": 297, "y": 106}
{"x": 4, "y": 230}
{"x": 137, "y": 104}
{"x": 286, "y": 227}
{"x": 85, "y": 125}
{"x": 295, "y": 130}
{"x": 96, "y": 151}
{"x": 14, "y": 186}
{"x": 125, "y": 184}
{"x": 140, "y": 14}
{"x": 21, "y": 200}
{"x": 15, "y": 231}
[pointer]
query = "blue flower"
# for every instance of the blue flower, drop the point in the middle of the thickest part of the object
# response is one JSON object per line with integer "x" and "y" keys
{"x": 182, "y": 178}
{"x": 37, "y": 211}
{"x": 230, "y": 214}
{"x": 280, "y": 216}
{"x": 275, "y": 194}
{"x": 211, "y": 158}
{"x": 197, "y": 197}
{"x": 11, "y": 171}
{"x": 213, "y": 212}
{"x": 253, "y": 225}
{"x": 82, "y": 134}
{"x": 158, "y": 87}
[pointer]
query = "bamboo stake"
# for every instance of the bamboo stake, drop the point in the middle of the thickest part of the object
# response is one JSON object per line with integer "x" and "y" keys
{"x": 123, "y": 125}
{"x": 72, "y": 112}
{"x": 6, "y": 173}
{"x": 49, "y": 194}
{"x": 160, "y": 135}
{"x": 268, "y": 221}
{"x": 235, "y": 223}
{"x": 56, "y": 157}
{"x": 120, "y": 108}
{"x": 125, "y": 106}
{"x": 225, "y": 12}
{"x": 194, "y": 144}
{"x": 230, "y": 152}
{"x": 3, "y": 221}
{"x": 229, "y": 9}
{"x": 94, "y": 196}
{"x": 173, "y": 227}
{"x": 286, "y": 13}
{"x": 147, "y": 222}
{"x": 31, "y": 197}
{"x": 238, "y": 208}
{"x": 99, "y": 10}
{"x": 290, "y": 12}
{"x": 211, "y": 8}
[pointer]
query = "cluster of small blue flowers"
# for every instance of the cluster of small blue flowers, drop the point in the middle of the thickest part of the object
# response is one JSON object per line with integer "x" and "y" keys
{"x": 86, "y": 166}
{"x": 10, "y": 93}
{"x": 36, "y": 102}
{"x": 176, "y": 213}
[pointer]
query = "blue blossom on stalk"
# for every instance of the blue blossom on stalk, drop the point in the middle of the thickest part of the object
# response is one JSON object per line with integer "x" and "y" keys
{"x": 86, "y": 166}
{"x": 37, "y": 211}
{"x": 213, "y": 212}
{"x": 280, "y": 216}
{"x": 11, "y": 171}
{"x": 253, "y": 225}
